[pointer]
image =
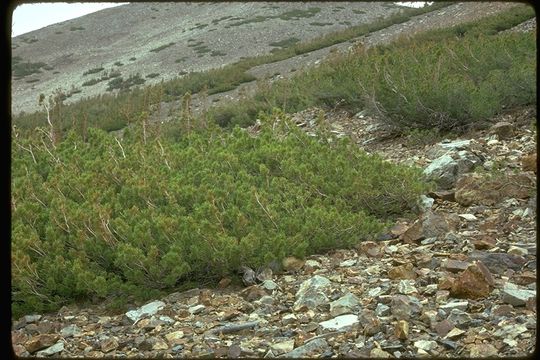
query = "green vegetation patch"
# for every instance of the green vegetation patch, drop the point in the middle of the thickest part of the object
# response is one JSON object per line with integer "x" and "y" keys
{"x": 285, "y": 42}
{"x": 152, "y": 75}
{"x": 93, "y": 71}
{"x": 120, "y": 219}
{"x": 162, "y": 47}
{"x": 119, "y": 83}
{"x": 435, "y": 80}
{"x": 20, "y": 68}
{"x": 76, "y": 28}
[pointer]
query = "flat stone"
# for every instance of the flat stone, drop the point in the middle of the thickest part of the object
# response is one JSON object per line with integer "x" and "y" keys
{"x": 148, "y": 309}
{"x": 348, "y": 263}
{"x": 461, "y": 305}
{"x": 516, "y": 296}
{"x": 382, "y": 310}
{"x": 455, "y": 332}
{"x": 468, "y": 217}
{"x": 269, "y": 285}
{"x": 516, "y": 250}
{"x": 426, "y": 345}
{"x": 498, "y": 263}
{"x": 340, "y": 322}
{"x": 455, "y": 265}
{"x": 443, "y": 170}
{"x": 459, "y": 317}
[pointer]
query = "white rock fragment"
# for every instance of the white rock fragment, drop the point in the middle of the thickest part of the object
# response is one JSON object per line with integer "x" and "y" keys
{"x": 340, "y": 322}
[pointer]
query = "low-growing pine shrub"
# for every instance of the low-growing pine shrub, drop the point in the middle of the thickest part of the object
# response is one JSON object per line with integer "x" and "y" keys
{"x": 101, "y": 217}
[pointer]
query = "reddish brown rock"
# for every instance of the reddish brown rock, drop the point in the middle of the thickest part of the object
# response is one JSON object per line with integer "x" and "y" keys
{"x": 528, "y": 162}
{"x": 371, "y": 249}
{"x": 473, "y": 283}
{"x": 402, "y": 272}
{"x": 41, "y": 341}
{"x": 484, "y": 243}
{"x": 109, "y": 344}
{"x": 445, "y": 195}
{"x": 401, "y": 330}
{"x": 484, "y": 189}
{"x": 253, "y": 293}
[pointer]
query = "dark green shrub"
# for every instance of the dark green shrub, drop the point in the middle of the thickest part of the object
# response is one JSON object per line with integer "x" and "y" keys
{"x": 93, "y": 71}
{"x": 162, "y": 47}
{"x": 115, "y": 219}
{"x": 21, "y": 69}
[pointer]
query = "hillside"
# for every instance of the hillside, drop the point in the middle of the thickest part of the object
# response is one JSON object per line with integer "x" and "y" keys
{"x": 194, "y": 37}
{"x": 371, "y": 193}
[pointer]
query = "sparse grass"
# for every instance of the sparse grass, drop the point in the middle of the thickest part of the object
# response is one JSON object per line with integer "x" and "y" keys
{"x": 198, "y": 26}
{"x": 358, "y": 12}
{"x": 76, "y": 28}
{"x": 32, "y": 80}
{"x": 132, "y": 58}
{"x": 152, "y": 75}
{"x": 180, "y": 60}
{"x": 162, "y": 47}
{"x": 58, "y": 32}
{"x": 118, "y": 63}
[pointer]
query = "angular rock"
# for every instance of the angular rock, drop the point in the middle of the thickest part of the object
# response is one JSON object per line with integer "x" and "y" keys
{"x": 70, "y": 331}
{"x": 443, "y": 171}
{"x": 498, "y": 263}
{"x": 55, "y": 349}
{"x": 473, "y": 283}
{"x": 312, "y": 293}
{"x": 455, "y": 332}
{"x": 174, "y": 337}
{"x": 340, "y": 322}
{"x": 459, "y": 317}
{"x": 346, "y": 304}
{"x": 309, "y": 349}
{"x": 405, "y": 307}
{"x": 429, "y": 225}
{"x": 253, "y": 293}
{"x": 288, "y": 319}
{"x": 401, "y": 330}
{"x": 454, "y": 266}
{"x": 516, "y": 250}
{"x": 369, "y": 322}
{"x": 40, "y": 341}
{"x": 403, "y": 272}
{"x": 442, "y": 328}
{"x": 407, "y": 287}
{"x": 146, "y": 310}
{"x": 382, "y": 310}
{"x": 503, "y": 130}
{"x": 379, "y": 353}
{"x": 446, "y": 195}
{"x": 249, "y": 277}
{"x": 108, "y": 345}
{"x": 283, "y": 347}
{"x": 426, "y": 345}
{"x": 443, "y": 148}
{"x": 482, "y": 350}
{"x": 348, "y": 263}
{"x": 516, "y": 296}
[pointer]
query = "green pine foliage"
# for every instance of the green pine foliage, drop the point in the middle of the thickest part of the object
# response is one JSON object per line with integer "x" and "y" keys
{"x": 448, "y": 79}
{"x": 98, "y": 217}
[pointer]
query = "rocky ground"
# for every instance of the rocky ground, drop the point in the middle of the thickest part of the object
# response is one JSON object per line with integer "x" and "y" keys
{"x": 458, "y": 281}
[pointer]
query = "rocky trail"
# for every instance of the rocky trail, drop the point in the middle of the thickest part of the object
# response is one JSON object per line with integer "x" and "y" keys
{"x": 458, "y": 281}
